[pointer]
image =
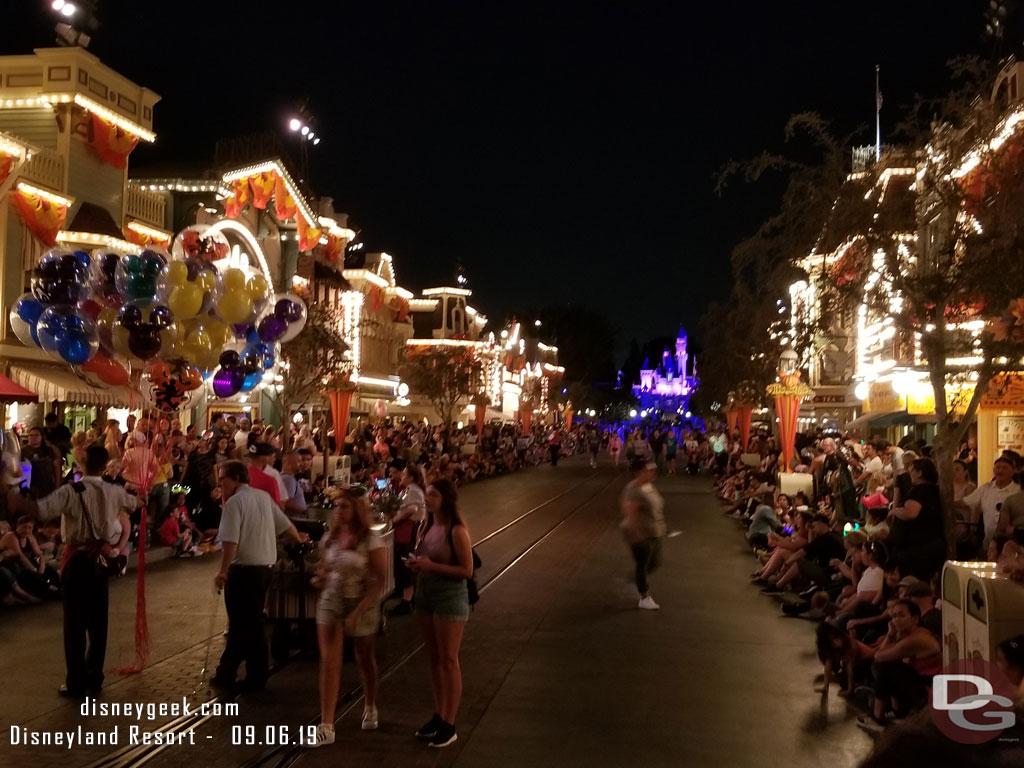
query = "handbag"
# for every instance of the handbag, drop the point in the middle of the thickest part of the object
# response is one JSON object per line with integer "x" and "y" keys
{"x": 472, "y": 587}
{"x": 96, "y": 548}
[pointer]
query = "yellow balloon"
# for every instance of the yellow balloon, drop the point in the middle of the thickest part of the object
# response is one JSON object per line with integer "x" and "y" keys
{"x": 177, "y": 273}
{"x": 206, "y": 280}
{"x": 197, "y": 348}
{"x": 257, "y": 287}
{"x": 218, "y": 331}
{"x": 235, "y": 306}
{"x": 186, "y": 300}
{"x": 234, "y": 280}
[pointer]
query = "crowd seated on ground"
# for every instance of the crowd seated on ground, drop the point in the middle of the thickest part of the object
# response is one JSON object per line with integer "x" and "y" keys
{"x": 863, "y": 557}
{"x": 178, "y": 466}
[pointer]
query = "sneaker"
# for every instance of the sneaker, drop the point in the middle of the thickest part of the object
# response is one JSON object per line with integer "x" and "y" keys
{"x": 324, "y": 736}
{"x": 771, "y": 589}
{"x": 648, "y": 604}
{"x": 429, "y": 729}
{"x": 370, "y": 719}
{"x": 445, "y": 736}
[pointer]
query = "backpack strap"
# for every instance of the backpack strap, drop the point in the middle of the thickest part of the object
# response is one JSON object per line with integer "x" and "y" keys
{"x": 79, "y": 488}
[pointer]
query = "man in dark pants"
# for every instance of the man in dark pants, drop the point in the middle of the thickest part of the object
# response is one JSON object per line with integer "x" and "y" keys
{"x": 89, "y": 511}
{"x": 249, "y": 527}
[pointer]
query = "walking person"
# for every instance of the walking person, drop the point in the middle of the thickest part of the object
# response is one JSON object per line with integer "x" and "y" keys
{"x": 442, "y": 562}
{"x": 615, "y": 447}
{"x": 249, "y": 527}
{"x": 643, "y": 524}
{"x": 89, "y": 511}
{"x": 594, "y": 442}
{"x": 352, "y": 574}
{"x": 554, "y": 447}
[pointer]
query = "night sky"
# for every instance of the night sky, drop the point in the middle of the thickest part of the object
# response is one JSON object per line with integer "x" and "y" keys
{"x": 563, "y": 153}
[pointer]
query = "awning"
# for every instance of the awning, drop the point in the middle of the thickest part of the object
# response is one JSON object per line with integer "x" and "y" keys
{"x": 13, "y": 393}
{"x": 879, "y": 419}
{"x": 53, "y": 382}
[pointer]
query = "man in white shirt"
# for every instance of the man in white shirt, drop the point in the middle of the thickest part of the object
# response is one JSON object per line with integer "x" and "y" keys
{"x": 986, "y": 501}
{"x": 249, "y": 527}
{"x": 872, "y": 463}
{"x": 242, "y": 436}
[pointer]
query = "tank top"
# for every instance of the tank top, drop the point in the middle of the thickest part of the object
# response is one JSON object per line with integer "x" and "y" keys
{"x": 926, "y": 665}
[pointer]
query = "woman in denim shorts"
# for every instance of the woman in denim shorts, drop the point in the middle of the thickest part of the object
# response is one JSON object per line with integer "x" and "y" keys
{"x": 442, "y": 562}
{"x": 351, "y": 573}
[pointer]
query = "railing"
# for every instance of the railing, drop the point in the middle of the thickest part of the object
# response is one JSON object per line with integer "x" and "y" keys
{"x": 45, "y": 169}
{"x": 145, "y": 206}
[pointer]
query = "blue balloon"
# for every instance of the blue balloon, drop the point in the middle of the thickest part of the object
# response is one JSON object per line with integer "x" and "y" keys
{"x": 251, "y": 381}
{"x": 69, "y": 334}
{"x": 83, "y": 257}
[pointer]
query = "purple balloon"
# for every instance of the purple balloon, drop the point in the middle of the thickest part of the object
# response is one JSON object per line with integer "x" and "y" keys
{"x": 288, "y": 310}
{"x": 228, "y": 382}
{"x": 272, "y": 328}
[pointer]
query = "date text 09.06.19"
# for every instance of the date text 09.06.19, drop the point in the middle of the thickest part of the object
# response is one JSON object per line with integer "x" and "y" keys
{"x": 272, "y": 735}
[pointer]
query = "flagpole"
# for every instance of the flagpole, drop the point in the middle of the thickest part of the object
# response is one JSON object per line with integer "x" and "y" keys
{"x": 878, "y": 117}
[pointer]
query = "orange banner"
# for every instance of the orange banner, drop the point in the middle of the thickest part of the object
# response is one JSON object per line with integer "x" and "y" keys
{"x": 137, "y": 238}
{"x": 239, "y": 197}
{"x": 262, "y": 185}
{"x": 113, "y": 144}
{"x": 284, "y": 203}
{"x": 5, "y": 166}
{"x": 42, "y": 217}
{"x": 309, "y": 235}
{"x": 341, "y": 404}
{"x": 335, "y": 247}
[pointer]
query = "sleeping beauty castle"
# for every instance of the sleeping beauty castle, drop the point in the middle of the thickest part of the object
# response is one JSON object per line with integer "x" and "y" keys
{"x": 668, "y": 385}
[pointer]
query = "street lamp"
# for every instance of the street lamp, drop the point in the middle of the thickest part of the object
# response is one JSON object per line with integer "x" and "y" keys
{"x": 294, "y": 124}
{"x": 537, "y": 323}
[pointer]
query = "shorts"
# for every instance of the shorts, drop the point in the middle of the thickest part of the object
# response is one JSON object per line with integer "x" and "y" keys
{"x": 332, "y": 609}
{"x": 442, "y": 598}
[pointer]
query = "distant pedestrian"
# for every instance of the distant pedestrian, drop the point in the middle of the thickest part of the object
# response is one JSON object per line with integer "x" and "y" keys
{"x": 249, "y": 527}
{"x": 554, "y": 446}
{"x": 594, "y": 443}
{"x": 442, "y": 562}
{"x": 643, "y": 524}
{"x": 615, "y": 448}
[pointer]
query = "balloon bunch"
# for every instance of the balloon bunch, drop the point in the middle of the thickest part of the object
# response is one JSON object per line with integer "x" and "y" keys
{"x": 160, "y": 323}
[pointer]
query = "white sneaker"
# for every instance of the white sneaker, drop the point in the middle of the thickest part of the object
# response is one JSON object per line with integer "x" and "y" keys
{"x": 370, "y": 719}
{"x": 324, "y": 736}
{"x": 648, "y": 604}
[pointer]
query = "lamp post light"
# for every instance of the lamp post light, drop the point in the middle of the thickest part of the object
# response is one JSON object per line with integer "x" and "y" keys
{"x": 788, "y": 392}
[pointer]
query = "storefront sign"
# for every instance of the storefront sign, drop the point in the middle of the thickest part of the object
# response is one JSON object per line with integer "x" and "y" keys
{"x": 1004, "y": 392}
{"x": 1010, "y": 433}
{"x": 826, "y": 399}
{"x": 882, "y": 398}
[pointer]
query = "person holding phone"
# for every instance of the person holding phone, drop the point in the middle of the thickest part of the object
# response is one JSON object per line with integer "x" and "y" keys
{"x": 442, "y": 562}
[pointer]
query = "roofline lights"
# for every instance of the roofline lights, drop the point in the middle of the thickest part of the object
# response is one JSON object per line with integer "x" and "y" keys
{"x": 293, "y": 190}
{"x": 452, "y": 291}
{"x": 151, "y": 232}
{"x": 92, "y": 238}
{"x": 51, "y": 197}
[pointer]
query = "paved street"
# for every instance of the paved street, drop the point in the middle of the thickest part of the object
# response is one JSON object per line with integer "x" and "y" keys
{"x": 559, "y": 666}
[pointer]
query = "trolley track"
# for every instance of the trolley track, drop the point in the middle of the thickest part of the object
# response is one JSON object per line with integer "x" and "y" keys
{"x": 288, "y": 755}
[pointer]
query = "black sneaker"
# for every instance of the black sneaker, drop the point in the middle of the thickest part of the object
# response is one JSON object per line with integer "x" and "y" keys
{"x": 444, "y": 737}
{"x": 429, "y": 729}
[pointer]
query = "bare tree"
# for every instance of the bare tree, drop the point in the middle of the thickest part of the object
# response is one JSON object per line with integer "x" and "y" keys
{"x": 444, "y": 375}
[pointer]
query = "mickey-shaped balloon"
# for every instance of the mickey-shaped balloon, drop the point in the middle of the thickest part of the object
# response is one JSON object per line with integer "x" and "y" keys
{"x": 25, "y": 315}
{"x": 144, "y": 332}
{"x": 188, "y": 287}
{"x": 136, "y": 274}
{"x": 286, "y": 321}
{"x": 68, "y": 333}
{"x": 168, "y": 385}
{"x": 103, "y": 277}
{"x": 60, "y": 278}
{"x": 230, "y": 377}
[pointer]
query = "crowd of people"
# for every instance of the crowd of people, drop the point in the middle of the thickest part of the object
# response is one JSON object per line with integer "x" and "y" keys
{"x": 860, "y": 552}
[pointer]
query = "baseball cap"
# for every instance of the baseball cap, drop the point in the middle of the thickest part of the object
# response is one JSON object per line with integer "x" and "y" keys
{"x": 908, "y": 581}
{"x": 262, "y": 449}
{"x": 919, "y": 589}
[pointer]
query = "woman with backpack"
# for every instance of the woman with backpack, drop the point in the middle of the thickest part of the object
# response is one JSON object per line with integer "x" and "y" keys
{"x": 442, "y": 562}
